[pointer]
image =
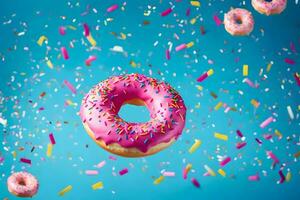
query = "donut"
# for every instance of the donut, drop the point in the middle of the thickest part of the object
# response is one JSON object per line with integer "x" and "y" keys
{"x": 100, "y": 107}
{"x": 269, "y": 7}
{"x": 238, "y": 21}
{"x": 22, "y": 184}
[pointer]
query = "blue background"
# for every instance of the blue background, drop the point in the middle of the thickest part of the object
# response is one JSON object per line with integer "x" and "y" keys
{"x": 25, "y": 75}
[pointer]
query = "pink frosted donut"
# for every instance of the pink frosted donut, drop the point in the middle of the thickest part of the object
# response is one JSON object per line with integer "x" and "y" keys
{"x": 269, "y": 7}
{"x": 238, "y": 21}
{"x": 100, "y": 107}
{"x": 22, "y": 184}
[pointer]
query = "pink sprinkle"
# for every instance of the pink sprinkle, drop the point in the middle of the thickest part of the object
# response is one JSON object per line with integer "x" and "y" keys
{"x": 123, "y": 171}
{"x": 62, "y": 30}
{"x": 86, "y": 30}
{"x": 64, "y": 53}
{"x": 292, "y": 46}
{"x": 188, "y": 11}
{"x": 217, "y": 20}
{"x": 112, "y": 158}
{"x": 297, "y": 79}
{"x": 51, "y": 137}
{"x": 180, "y": 47}
{"x": 168, "y": 173}
{"x": 166, "y": 12}
{"x": 195, "y": 182}
{"x": 25, "y": 160}
{"x": 89, "y": 60}
{"x": 91, "y": 172}
{"x": 101, "y": 164}
{"x": 253, "y": 178}
{"x": 225, "y": 161}
{"x": 239, "y": 133}
{"x": 202, "y": 77}
{"x": 240, "y": 145}
{"x": 168, "y": 54}
{"x": 267, "y": 136}
{"x": 266, "y": 122}
{"x": 206, "y": 174}
{"x": 112, "y": 8}
{"x": 272, "y": 156}
{"x": 70, "y": 86}
{"x": 1, "y": 159}
{"x": 289, "y": 61}
{"x": 282, "y": 177}
{"x": 184, "y": 173}
{"x": 250, "y": 83}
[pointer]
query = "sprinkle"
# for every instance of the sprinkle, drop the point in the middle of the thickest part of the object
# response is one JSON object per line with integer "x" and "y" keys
{"x": 269, "y": 67}
{"x": 209, "y": 170}
{"x": 49, "y": 150}
{"x": 282, "y": 178}
{"x": 195, "y": 182}
{"x": 288, "y": 176}
{"x": 180, "y": 47}
{"x": 278, "y": 134}
{"x": 218, "y": 106}
{"x": 240, "y": 145}
{"x": 86, "y": 30}
{"x": 51, "y": 137}
{"x": 64, "y": 52}
{"x": 217, "y": 20}
{"x": 222, "y": 172}
{"x": 290, "y": 112}
{"x": 14, "y": 153}
{"x": 225, "y": 161}
{"x": 195, "y": 146}
{"x": 297, "y": 77}
{"x": 25, "y": 160}
{"x": 65, "y": 190}
{"x": 91, "y": 172}
{"x": 255, "y": 103}
{"x": 190, "y": 44}
{"x": 239, "y": 133}
{"x": 245, "y": 70}
{"x": 97, "y": 186}
{"x": 123, "y": 171}
{"x": 49, "y": 63}
{"x": 62, "y": 30}
{"x": 289, "y": 61}
{"x": 1, "y": 159}
{"x": 272, "y": 156}
{"x": 296, "y": 155}
{"x": 166, "y": 12}
{"x": 168, "y": 54}
{"x": 89, "y": 60}
{"x": 195, "y": 3}
{"x": 112, "y": 8}
{"x": 250, "y": 83}
{"x": 158, "y": 180}
{"x": 168, "y": 173}
{"x": 101, "y": 164}
{"x": 3, "y": 121}
{"x": 266, "y": 122}
{"x": 70, "y": 86}
{"x": 91, "y": 40}
{"x": 254, "y": 177}
{"x": 221, "y": 136}
{"x": 205, "y": 75}
{"x": 186, "y": 170}
{"x": 41, "y": 40}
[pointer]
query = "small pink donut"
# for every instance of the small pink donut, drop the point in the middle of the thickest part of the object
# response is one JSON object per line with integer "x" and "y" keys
{"x": 238, "y": 22}
{"x": 22, "y": 184}
{"x": 100, "y": 107}
{"x": 269, "y": 7}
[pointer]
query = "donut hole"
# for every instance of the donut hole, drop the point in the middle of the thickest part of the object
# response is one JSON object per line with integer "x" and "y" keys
{"x": 238, "y": 20}
{"x": 134, "y": 111}
{"x": 268, "y": 1}
{"x": 21, "y": 182}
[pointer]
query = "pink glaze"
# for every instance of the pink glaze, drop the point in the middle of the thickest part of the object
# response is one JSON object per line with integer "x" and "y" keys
{"x": 244, "y": 17}
{"x": 100, "y": 107}
{"x": 22, "y": 184}
{"x": 269, "y": 8}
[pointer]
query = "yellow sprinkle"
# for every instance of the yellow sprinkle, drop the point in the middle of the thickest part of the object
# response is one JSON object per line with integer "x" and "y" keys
{"x": 195, "y": 3}
{"x": 190, "y": 44}
{"x": 269, "y": 67}
{"x": 188, "y": 167}
{"x": 133, "y": 64}
{"x": 72, "y": 27}
{"x": 221, "y": 136}
{"x": 193, "y": 20}
{"x": 296, "y": 155}
{"x": 158, "y": 180}
{"x": 14, "y": 153}
{"x": 98, "y": 185}
{"x": 123, "y": 36}
{"x": 41, "y": 40}
{"x": 199, "y": 87}
{"x": 298, "y": 107}
{"x": 222, "y": 172}
{"x": 91, "y": 40}
{"x": 195, "y": 146}
{"x": 198, "y": 105}
{"x": 245, "y": 70}
{"x": 65, "y": 190}
{"x": 49, "y": 63}
{"x": 278, "y": 134}
{"x": 210, "y": 72}
{"x": 288, "y": 176}
{"x": 218, "y": 106}
{"x": 254, "y": 103}
{"x": 49, "y": 150}
{"x": 209, "y": 170}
